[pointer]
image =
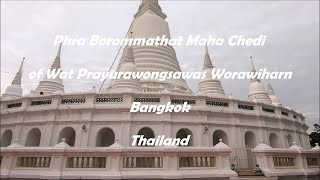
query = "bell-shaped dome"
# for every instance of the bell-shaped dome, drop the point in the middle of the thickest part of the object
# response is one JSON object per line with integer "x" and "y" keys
{"x": 210, "y": 86}
{"x": 149, "y": 22}
{"x": 257, "y": 92}
{"x": 272, "y": 95}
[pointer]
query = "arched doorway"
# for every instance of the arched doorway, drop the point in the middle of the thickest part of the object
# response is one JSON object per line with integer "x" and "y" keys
{"x": 105, "y": 137}
{"x": 250, "y": 143}
{"x": 6, "y": 138}
{"x": 69, "y": 134}
{"x": 183, "y": 133}
{"x": 33, "y": 137}
{"x": 290, "y": 140}
{"x": 250, "y": 140}
{"x": 274, "y": 140}
{"x": 219, "y": 134}
{"x": 146, "y": 132}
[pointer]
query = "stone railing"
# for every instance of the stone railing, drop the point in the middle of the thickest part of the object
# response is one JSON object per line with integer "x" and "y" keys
{"x": 33, "y": 162}
{"x": 313, "y": 161}
{"x": 86, "y": 162}
{"x": 115, "y": 162}
{"x": 295, "y": 161}
{"x": 283, "y": 161}
{"x": 142, "y": 162}
{"x": 197, "y": 161}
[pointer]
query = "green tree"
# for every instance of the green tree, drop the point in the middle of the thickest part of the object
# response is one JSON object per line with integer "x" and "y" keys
{"x": 315, "y": 135}
{"x": 317, "y": 128}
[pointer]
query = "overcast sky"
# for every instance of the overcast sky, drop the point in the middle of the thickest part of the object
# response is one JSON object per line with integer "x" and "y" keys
{"x": 28, "y": 30}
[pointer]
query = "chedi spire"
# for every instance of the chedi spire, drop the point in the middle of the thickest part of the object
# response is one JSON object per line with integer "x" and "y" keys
{"x": 207, "y": 60}
{"x": 151, "y": 6}
{"x": 257, "y": 91}
{"x": 210, "y": 86}
{"x": 49, "y": 86}
{"x": 126, "y": 84}
{"x": 18, "y": 77}
{"x": 272, "y": 95}
{"x": 56, "y": 63}
{"x": 15, "y": 90}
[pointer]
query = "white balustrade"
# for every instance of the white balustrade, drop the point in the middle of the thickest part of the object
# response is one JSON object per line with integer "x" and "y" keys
{"x": 291, "y": 162}
{"x": 86, "y": 162}
{"x": 283, "y": 161}
{"x": 142, "y": 162}
{"x": 197, "y": 161}
{"x": 41, "y": 102}
{"x": 34, "y": 162}
{"x": 72, "y": 163}
{"x": 313, "y": 161}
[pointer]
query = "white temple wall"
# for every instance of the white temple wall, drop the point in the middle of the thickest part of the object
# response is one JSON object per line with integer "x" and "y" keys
{"x": 13, "y": 118}
{"x": 46, "y": 133}
{"x": 262, "y": 134}
{"x": 205, "y": 138}
{"x": 233, "y": 121}
{"x": 85, "y": 130}
{"x": 124, "y": 131}
{"x": 283, "y": 139}
{"x": 235, "y": 134}
{"x": 304, "y": 141}
{"x": 16, "y": 131}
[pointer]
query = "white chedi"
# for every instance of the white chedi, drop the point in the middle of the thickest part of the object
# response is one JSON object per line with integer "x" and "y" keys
{"x": 51, "y": 85}
{"x": 272, "y": 95}
{"x": 256, "y": 89}
{"x": 15, "y": 90}
{"x": 149, "y": 22}
{"x": 102, "y": 122}
{"x": 209, "y": 86}
{"x": 126, "y": 84}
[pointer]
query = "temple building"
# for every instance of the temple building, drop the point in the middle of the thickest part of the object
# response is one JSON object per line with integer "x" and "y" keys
{"x": 51, "y": 134}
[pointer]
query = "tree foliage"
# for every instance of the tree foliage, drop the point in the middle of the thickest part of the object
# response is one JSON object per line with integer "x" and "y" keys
{"x": 315, "y": 135}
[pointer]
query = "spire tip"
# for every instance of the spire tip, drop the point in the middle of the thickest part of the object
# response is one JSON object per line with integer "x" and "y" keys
{"x": 252, "y": 64}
